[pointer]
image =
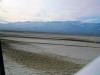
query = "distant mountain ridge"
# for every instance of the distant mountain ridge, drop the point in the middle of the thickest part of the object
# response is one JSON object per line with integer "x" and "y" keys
{"x": 66, "y": 27}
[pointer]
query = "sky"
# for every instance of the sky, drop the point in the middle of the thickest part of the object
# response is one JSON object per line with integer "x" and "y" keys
{"x": 49, "y": 10}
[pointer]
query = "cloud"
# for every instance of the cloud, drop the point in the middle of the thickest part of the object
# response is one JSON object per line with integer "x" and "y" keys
{"x": 48, "y": 10}
{"x": 95, "y": 19}
{"x": 89, "y": 20}
{"x": 2, "y": 20}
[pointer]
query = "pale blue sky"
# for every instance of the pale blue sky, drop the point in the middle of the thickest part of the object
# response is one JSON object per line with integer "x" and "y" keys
{"x": 49, "y": 10}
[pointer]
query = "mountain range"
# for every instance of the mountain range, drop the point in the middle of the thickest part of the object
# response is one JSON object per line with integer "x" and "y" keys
{"x": 65, "y": 27}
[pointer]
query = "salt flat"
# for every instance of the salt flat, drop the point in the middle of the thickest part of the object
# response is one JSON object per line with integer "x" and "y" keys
{"x": 77, "y": 49}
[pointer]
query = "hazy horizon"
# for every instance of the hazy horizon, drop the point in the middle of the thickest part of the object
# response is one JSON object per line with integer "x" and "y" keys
{"x": 59, "y": 16}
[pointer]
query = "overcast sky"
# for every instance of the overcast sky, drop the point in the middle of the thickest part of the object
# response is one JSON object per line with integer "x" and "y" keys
{"x": 49, "y": 10}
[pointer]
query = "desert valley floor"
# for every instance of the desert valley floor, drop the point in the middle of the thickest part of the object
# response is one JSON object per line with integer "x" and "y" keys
{"x": 33, "y": 53}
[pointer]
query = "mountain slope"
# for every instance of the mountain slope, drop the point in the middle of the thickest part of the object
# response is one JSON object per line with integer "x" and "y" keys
{"x": 68, "y": 27}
